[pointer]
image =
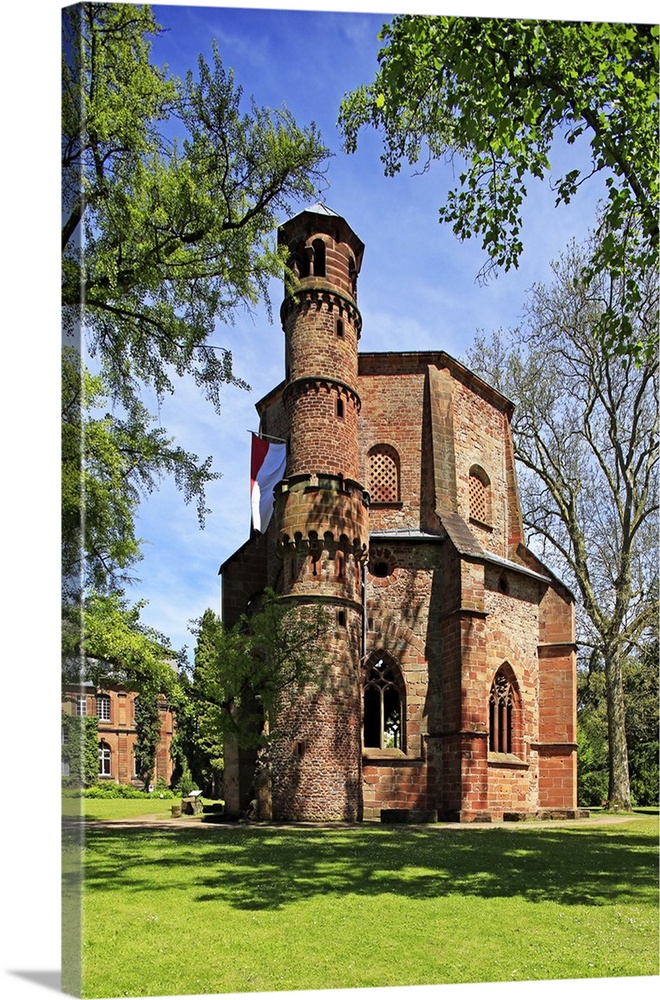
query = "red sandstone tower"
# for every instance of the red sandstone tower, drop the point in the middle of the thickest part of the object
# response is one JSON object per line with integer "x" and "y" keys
{"x": 449, "y": 687}
{"x": 321, "y": 516}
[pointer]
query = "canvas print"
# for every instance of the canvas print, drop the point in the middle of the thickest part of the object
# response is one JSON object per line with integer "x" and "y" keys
{"x": 359, "y": 500}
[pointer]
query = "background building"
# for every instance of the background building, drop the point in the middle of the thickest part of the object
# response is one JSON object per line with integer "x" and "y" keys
{"x": 114, "y": 708}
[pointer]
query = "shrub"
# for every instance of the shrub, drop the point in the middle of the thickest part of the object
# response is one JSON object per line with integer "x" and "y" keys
{"x": 112, "y": 791}
{"x": 185, "y": 784}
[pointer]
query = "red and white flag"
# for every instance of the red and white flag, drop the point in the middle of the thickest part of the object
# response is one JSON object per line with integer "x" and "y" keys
{"x": 266, "y": 469}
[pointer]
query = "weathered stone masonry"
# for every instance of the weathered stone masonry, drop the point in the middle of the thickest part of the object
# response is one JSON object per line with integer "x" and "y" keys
{"x": 452, "y": 691}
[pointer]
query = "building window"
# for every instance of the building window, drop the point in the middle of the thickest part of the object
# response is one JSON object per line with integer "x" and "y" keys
{"x": 502, "y": 712}
{"x": 479, "y": 495}
{"x": 81, "y": 704}
{"x": 383, "y": 474}
{"x": 105, "y": 760}
{"x": 340, "y": 407}
{"x": 352, "y": 275}
{"x": 103, "y": 707}
{"x": 340, "y": 328}
{"x": 319, "y": 258}
{"x": 383, "y": 704}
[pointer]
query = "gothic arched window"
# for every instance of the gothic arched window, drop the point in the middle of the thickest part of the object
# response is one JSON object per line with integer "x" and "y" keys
{"x": 384, "y": 704}
{"x": 503, "y": 709}
{"x": 479, "y": 495}
{"x": 383, "y": 474}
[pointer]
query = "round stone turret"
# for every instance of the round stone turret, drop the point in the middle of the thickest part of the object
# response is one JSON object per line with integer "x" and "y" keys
{"x": 322, "y": 515}
{"x": 322, "y": 325}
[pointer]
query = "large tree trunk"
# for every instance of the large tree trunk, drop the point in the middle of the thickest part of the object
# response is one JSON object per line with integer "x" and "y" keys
{"x": 619, "y": 777}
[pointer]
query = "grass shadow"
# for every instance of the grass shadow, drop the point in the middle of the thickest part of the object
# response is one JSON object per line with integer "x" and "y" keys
{"x": 266, "y": 868}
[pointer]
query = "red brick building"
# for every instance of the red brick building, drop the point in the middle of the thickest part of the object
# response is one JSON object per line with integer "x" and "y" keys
{"x": 452, "y": 691}
{"x": 114, "y": 708}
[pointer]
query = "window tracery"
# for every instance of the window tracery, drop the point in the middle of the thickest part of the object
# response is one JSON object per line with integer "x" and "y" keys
{"x": 383, "y": 705}
{"x": 503, "y": 706}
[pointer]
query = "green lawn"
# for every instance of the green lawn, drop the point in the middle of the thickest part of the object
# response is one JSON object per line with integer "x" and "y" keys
{"x": 214, "y": 909}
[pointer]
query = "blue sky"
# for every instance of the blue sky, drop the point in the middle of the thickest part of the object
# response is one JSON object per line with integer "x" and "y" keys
{"x": 417, "y": 288}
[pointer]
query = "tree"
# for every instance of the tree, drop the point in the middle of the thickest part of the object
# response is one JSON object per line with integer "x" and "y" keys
{"x": 147, "y": 726}
{"x": 640, "y": 680}
{"x": 108, "y": 465}
{"x": 242, "y": 673}
{"x": 641, "y": 684}
{"x": 104, "y": 638}
{"x": 161, "y": 239}
{"x": 498, "y": 93}
{"x": 586, "y": 440}
{"x": 198, "y": 742}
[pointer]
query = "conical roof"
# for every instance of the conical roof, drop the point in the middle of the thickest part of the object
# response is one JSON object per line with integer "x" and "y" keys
{"x": 320, "y": 209}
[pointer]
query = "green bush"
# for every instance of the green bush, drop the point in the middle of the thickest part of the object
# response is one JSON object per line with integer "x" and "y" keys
{"x": 185, "y": 784}
{"x": 112, "y": 791}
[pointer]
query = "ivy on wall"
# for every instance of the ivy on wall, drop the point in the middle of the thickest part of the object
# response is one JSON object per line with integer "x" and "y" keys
{"x": 80, "y": 748}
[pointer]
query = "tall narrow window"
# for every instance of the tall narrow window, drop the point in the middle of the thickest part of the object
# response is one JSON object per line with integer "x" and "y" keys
{"x": 103, "y": 707}
{"x": 81, "y": 704}
{"x": 304, "y": 265}
{"x": 319, "y": 258}
{"x": 383, "y": 705}
{"x": 340, "y": 328}
{"x": 479, "y": 495}
{"x": 340, "y": 407}
{"x": 352, "y": 275}
{"x": 502, "y": 708}
{"x": 105, "y": 760}
{"x": 383, "y": 474}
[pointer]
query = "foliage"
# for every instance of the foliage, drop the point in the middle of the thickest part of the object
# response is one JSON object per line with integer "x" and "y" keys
{"x": 242, "y": 672}
{"x": 586, "y": 440}
{"x": 642, "y": 721}
{"x": 186, "y": 783}
{"x": 304, "y": 908}
{"x": 106, "y": 639}
{"x": 498, "y": 93}
{"x": 197, "y": 746}
{"x": 593, "y": 758}
{"x": 640, "y": 678}
{"x": 147, "y": 725}
{"x": 110, "y": 790}
{"x": 161, "y": 237}
{"x": 108, "y": 465}
{"x": 80, "y": 749}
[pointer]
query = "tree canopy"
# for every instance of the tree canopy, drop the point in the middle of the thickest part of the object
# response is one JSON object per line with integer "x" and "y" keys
{"x": 109, "y": 463}
{"x": 497, "y": 94}
{"x": 164, "y": 236}
{"x": 242, "y": 673}
{"x": 586, "y": 440}
{"x": 171, "y": 195}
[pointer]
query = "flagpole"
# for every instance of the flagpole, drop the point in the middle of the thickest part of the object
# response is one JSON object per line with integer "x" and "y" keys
{"x": 267, "y": 437}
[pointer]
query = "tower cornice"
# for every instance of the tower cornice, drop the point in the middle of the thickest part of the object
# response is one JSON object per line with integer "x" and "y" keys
{"x": 302, "y": 385}
{"x": 315, "y": 296}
